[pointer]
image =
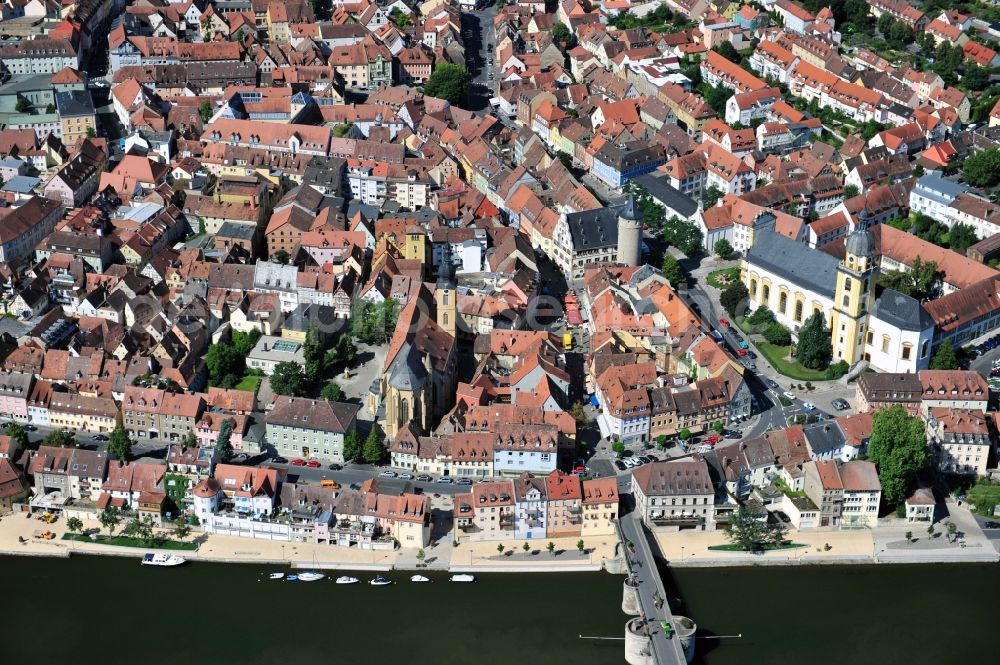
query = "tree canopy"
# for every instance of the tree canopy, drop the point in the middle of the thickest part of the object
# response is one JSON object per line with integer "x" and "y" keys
{"x": 374, "y": 448}
{"x": 733, "y": 296}
{"x": 119, "y": 444}
{"x": 898, "y": 447}
{"x": 982, "y": 168}
{"x": 723, "y": 249}
{"x": 814, "y": 348}
{"x": 777, "y": 334}
{"x": 17, "y": 433}
{"x": 672, "y": 271}
{"x": 944, "y": 357}
{"x": 288, "y": 379}
{"x": 332, "y": 392}
{"x": 374, "y": 323}
{"x": 448, "y": 81}
{"x": 919, "y": 282}
{"x": 223, "y": 445}
{"x": 749, "y": 530}
{"x": 352, "y": 445}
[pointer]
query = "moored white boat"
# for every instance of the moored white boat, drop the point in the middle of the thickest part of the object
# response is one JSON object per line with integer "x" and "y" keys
{"x": 276, "y": 576}
{"x": 463, "y": 578}
{"x": 291, "y": 578}
{"x": 310, "y": 576}
{"x": 420, "y": 578}
{"x": 347, "y": 579}
{"x": 378, "y": 580}
{"x": 167, "y": 560}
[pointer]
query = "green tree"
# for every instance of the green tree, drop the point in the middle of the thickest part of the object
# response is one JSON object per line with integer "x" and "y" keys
{"x": 976, "y": 78}
{"x": 563, "y": 35}
{"x": 421, "y": 555}
{"x": 314, "y": 355}
{"x": 900, "y": 33}
{"x": 243, "y": 342}
{"x": 17, "y": 434}
{"x": 60, "y": 438}
{"x": 500, "y": 548}
{"x": 374, "y": 448}
{"x": 181, "y": 530}
{"x": 50, "y": 108}
{"x": 288, "y": 379}
{"x": 672, "y": 271}
{"x": 222, "y": 360}
{"x": 618, "y": 448}
{"x": 733, "y": 296}
{"x": 961, "y": 237}
{"x": 526, "y": 547}
{"x": 761, "y": 316}
{"x": 352, "y": 445}
{"x": 944, "y": 357}
{"x": 815, "y": 348}
{"x": 777, "y": 334}
{"x": 281, "y": 256}
{"x": 374, "y": 323}
{"x": 722, "y": 247}
{"x": 982, "y": 168}
{"x": 919, "y": 282}
{"x": 578, "y": 413}
{"x": 918, "y": 171}
{"x": 711, "y": 196}
{"x": 551, "y": 547}
{"x": 110, "y": 518}
{"x": 189, "y": 440}
{"x": 205, "y": 111}
{"x": 74, "y": 524}
{"x": 727, "y": 51}
{"x": 341, "y": 129}
{"x": 332, "y": 392}
{"x": 718, "y": 427}
{"x": 580, "y": 546}
{"x": 400, "y": 18}
{"x": 898, "y": 447}
{"x": 223, "y": 445}
{"x": 749, "y": 530}
{"x": 448, "y": 81}
{"x": 119, "y": 444}
{"x": 22, "y": 105}
{"x": 684, "y": 434}
{"x": 91, "y": 133}
{"x": 850, "y": 191}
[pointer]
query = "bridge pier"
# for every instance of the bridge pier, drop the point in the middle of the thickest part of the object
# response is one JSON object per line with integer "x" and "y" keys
{"x": 686, "y": 628}
{"x": 638, "y": 643}
{"x": 630, "y": 597}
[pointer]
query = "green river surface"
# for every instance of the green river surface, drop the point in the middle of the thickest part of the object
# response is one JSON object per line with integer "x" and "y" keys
{"x": 111, "y": 610}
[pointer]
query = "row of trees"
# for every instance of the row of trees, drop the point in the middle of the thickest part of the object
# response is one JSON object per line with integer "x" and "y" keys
{"x": 143, "y": 529}
{"x": 372, "y": 450}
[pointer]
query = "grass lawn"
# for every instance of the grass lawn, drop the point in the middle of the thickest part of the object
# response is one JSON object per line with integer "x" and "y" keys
{"x": 125, "y": 541}
{"x": 733, "y": 547}
{"x": 733, "y": 274}
{"x": 984, "y": 495}
{"x": 778, "y": 357}
{"x": 250, "y": 382}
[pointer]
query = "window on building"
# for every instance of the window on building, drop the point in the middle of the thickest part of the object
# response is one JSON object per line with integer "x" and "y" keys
{"x": 782, "y": 302}
{"x": 907, "y": 348}
{"x": 923, "y": 349}
{"x": 798, "y": 311}
{"x": 766, "y": 294}
{"x": 885, "y": 344}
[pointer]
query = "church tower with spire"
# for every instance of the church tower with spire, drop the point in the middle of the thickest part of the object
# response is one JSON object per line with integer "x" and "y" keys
{"x": 854, "y": 296}
{"x": 445, "y": 296}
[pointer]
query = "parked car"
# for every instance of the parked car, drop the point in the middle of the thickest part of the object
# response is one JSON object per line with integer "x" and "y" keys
{"x": 314, "y": 464}
{"x": 424, "y": 478}
{"x": 724, "y": 321}
{"x": 749, "y": 364}
{"x": 752, "y": 355}
{"x": 841, "y": 404}
{"x": 773, "y": 385}
{"x": 388, "y": 474}
{"x": 732, "y": 330}
{"x": 463, "y": 481}
{"x": 620, "y": 465}
{"x": 991, "y": 525}
{"x": 279, "y": 460}
{"x": 100, "y": 437}
{"x": 298, "y": 462}
{"x": 406, "y": 476}
{"x": 808, "y": 407}
{"x": 741, "y": 352}
{"x": 335, "y": 467}
{"x": 29, "y": 428}
{"x": 788, "y": 394}
{"x": 445, "y": 480}
{"x": 743, "y": 344}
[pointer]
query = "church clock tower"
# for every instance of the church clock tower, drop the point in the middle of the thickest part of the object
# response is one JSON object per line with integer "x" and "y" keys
{"x": 854, "y": 296}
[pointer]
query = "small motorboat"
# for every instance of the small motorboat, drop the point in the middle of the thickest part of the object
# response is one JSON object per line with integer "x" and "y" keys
{"x": 291, "y": 578}
{"x": 276, "y": 576}
{"x": 167, "y": 560}
{"x": 420, "y": 578}
{"x": 378, "y": 580}
{"x": 463, "y": 578}
{"x": 347, "y": 579}
{"x": 310, "y": 576}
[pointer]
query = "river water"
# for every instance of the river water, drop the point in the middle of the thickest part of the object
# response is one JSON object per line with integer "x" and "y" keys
{"x": 112, "y": 611}
{"x": 844, "y": 615}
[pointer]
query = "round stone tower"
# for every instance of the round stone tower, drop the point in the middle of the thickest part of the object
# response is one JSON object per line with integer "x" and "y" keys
{"x": 630, "y": 233}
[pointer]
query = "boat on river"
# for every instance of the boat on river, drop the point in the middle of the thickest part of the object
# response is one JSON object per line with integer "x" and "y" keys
{"x": 347, "y": 579}
{"x": 420, "y": 578}
{"x": 378, "y": 580}
{"x": 276, "y": 576}
{"x": 463, "y": 578}
{"x": 165, "y": 560}
{"x": 310, "y": 576}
